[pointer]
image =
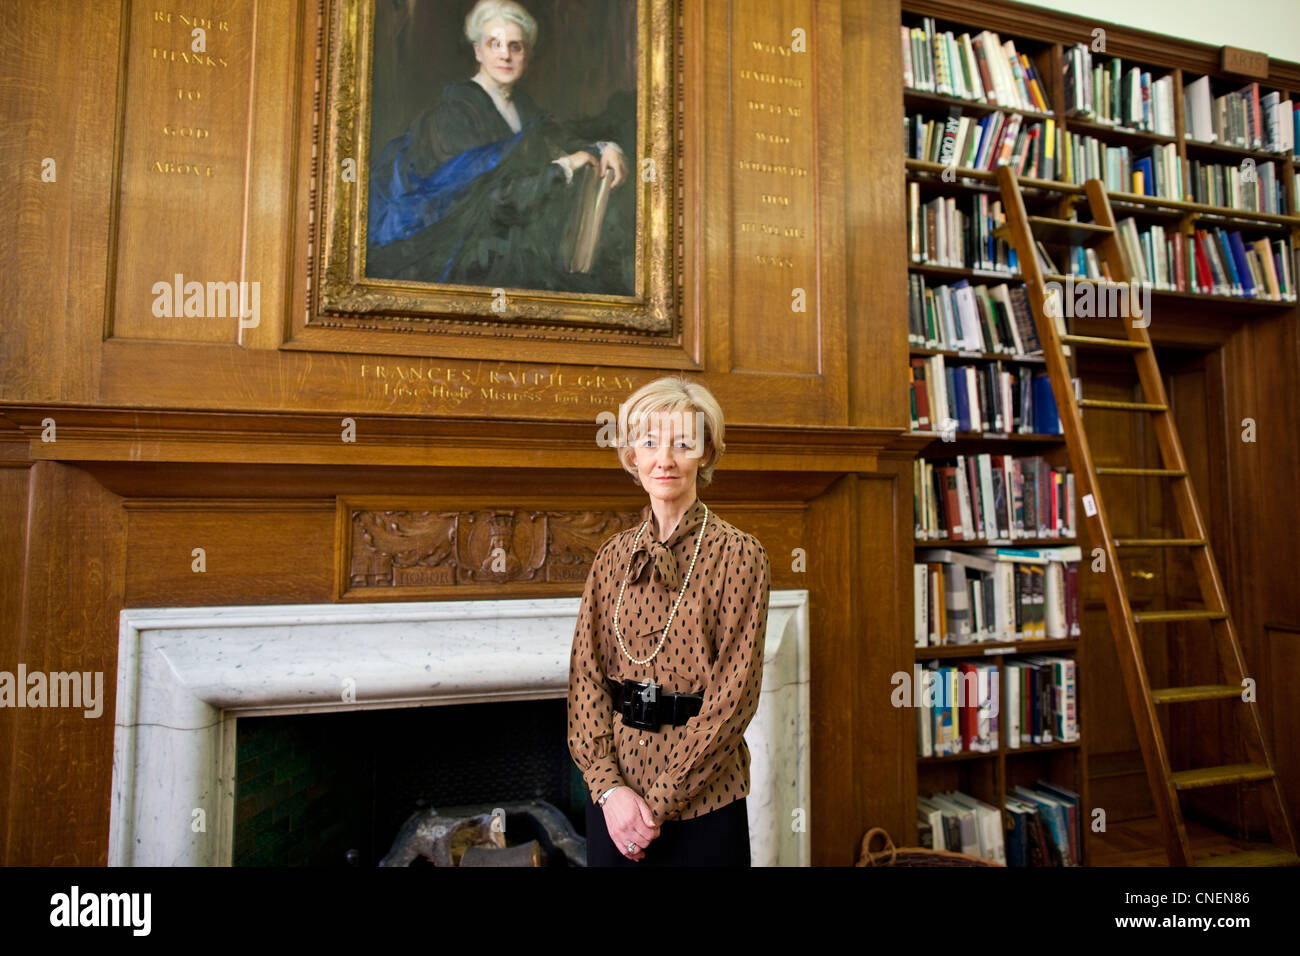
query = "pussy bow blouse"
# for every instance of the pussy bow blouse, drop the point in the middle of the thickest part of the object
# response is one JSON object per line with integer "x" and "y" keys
{"x": 714, "y": 648}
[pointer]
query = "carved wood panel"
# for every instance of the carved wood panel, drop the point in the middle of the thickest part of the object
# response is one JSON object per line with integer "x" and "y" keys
{"x": 426, "y": 548}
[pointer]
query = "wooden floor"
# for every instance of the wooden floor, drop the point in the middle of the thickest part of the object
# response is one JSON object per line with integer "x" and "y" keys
{"x": 1139, "y": 843}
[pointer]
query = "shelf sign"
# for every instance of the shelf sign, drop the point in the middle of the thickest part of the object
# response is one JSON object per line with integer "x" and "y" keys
{"x": 1244, "y": 62}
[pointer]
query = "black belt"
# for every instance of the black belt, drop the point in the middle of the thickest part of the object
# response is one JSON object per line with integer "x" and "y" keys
{"x": 648, "y": 710}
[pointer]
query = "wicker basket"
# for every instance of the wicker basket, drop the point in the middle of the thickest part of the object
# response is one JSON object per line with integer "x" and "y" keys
{"x": 891, "y": 855}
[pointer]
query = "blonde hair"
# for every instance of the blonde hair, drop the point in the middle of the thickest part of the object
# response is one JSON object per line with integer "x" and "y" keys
{"x": 485, "y": 11}
{"x": 674, "y": 394}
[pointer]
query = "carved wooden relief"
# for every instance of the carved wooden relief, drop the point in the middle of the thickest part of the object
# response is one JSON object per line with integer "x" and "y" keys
{"x": 424, "y": 548}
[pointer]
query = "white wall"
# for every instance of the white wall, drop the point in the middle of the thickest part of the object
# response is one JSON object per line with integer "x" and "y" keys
{"x": 1270, "y": 26}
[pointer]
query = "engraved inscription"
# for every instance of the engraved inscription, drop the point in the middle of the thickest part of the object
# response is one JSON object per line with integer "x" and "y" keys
{"x": 184, "y": 145}
{"x": 449, "y": 385}
{"x": 187, "y": 45}
{"x": 774, "y": 163}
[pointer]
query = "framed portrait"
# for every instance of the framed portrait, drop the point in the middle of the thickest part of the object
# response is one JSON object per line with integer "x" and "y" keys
{"x": 498, "y": 162}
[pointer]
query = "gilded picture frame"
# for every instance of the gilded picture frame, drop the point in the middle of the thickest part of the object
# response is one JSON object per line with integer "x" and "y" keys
{"x": 347, "y": 296}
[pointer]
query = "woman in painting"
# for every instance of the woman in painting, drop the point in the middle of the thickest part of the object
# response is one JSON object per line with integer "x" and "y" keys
{"x": 481, "y": 188}
{"x": 667, "y": 657}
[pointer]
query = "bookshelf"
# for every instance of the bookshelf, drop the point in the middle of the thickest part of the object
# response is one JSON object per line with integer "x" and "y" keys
{"x": 1183, "y": 214}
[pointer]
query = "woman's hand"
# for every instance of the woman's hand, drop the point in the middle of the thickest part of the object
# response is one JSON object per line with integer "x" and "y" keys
{"x": 612, "y": 159}
{"x": 579, "y": 159}
{"x": 629, "y": 819}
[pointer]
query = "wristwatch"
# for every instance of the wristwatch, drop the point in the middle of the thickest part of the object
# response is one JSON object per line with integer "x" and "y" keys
{"x": 605, "y": 796}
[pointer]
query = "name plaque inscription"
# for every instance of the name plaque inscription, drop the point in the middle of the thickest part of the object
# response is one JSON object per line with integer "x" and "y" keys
{"x": 410, "y": 384}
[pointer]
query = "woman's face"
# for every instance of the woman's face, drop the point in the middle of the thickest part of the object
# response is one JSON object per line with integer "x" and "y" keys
{"x": 669, "y": 453}
{"x": 502, "y": 52}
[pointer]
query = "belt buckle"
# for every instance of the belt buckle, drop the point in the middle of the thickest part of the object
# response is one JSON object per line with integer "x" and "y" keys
{"x": 641, "y": 705}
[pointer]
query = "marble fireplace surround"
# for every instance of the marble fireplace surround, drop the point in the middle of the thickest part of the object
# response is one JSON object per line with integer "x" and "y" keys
{"x": 185, "y": 675}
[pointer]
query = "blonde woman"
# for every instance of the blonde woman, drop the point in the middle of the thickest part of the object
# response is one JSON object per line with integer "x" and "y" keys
{"x": 667, "y": 656}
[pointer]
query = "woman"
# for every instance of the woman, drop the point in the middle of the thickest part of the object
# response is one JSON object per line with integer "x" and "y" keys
{"x": 480, "y": 189}
{"x": 667, "y": 656}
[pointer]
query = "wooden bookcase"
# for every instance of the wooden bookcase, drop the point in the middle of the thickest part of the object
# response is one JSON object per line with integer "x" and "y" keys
{"x": 1046, "y": 36}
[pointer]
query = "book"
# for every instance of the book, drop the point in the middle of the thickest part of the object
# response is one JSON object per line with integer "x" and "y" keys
{"x": 588, "y": 217}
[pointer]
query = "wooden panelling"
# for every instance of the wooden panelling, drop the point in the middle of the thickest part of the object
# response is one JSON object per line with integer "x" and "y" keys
{"x": 884, "y": 776}
{"x": 15, "y": 482}
{"x": 60, "y": 60}
{"x": 1261, "y": 381}
{"x": 835, "y": 806}
{"x": 876, "y": 223}
{"x": 254, "y": 552}
{"x": 1281, "y": 663}
{"x": 782, "y": 160}
{"x": 60, "y": 770}
{"x": 119, "y": 216}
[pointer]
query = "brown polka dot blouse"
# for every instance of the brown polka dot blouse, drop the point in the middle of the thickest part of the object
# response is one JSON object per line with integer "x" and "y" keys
{"x": 714, "y": 648}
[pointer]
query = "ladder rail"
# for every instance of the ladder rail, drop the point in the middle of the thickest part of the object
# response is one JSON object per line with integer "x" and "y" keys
{"x": 1132, "y": 665}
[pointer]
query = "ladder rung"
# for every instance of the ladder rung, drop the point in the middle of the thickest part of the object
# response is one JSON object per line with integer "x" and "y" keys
{"x": 1181, "y": 695}
{"x": 1101, "y": 342}
{"x": 1149, "y": 472}
{"x": 1218, "y": 776}
{"x": 1067, "y": 231}
{"x": 1270, "y": 856}
{"x": 1158, "y": 617}
{"x": 1160, "y": 542}
{"x": 1124, "y": 406}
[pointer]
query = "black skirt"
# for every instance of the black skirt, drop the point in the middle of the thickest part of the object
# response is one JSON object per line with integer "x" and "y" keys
{"x": 717, "y": 838}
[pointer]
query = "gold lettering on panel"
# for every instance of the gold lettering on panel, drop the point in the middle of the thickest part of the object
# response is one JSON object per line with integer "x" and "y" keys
{"x": 501, "y": 384}
{"x": 774, "y": 187}
{"x": 187, "y": 103}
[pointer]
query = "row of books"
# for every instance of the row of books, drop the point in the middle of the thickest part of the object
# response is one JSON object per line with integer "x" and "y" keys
{"x": 995, "y": 398}
{"x": 1107, "y": 93}
{"x": 984, "y": 69}
{"x": 1044, "y": 831}
{"x": 952, "y": 231}
{"x": 979, "y": 67}
{"x": 958, "y": 709}
{"x": 992, "y": 497}
{"x": 979, "y": 318}
{"x": 1240, "y": 118}
{"x": 1212, "y": 262}
{"x": 993, "y": 595}
{"x": 1040, "y": 150}
{"x": 983, "y": 142}
{"x": 1151, "y": 171}
{"x": 959, "y": 706}
{"x": 1253, "y": 187}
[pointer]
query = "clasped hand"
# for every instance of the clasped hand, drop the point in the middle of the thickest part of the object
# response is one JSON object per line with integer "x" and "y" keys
{"x": 629, "y": 819}
{"x": 611, "y": 160}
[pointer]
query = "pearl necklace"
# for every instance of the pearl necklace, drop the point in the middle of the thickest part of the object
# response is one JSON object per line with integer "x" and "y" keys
{"x": 673, "y": 612}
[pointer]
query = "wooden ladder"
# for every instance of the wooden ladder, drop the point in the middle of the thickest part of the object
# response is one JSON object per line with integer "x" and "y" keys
{"x": 1020, "y": 231}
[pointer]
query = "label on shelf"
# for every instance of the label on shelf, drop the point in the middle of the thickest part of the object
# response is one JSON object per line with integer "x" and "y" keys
{"x": 1089, "y": 505}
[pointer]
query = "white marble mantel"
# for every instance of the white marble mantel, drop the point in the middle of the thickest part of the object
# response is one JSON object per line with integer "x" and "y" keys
{"x": 185, "y": 675}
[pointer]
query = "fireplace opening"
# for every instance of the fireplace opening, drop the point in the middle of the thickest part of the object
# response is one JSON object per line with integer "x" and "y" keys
{"x": 334, "y": 789}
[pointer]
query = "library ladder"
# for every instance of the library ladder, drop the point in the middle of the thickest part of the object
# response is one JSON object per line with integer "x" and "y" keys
{"x": 1021, "y": 230}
